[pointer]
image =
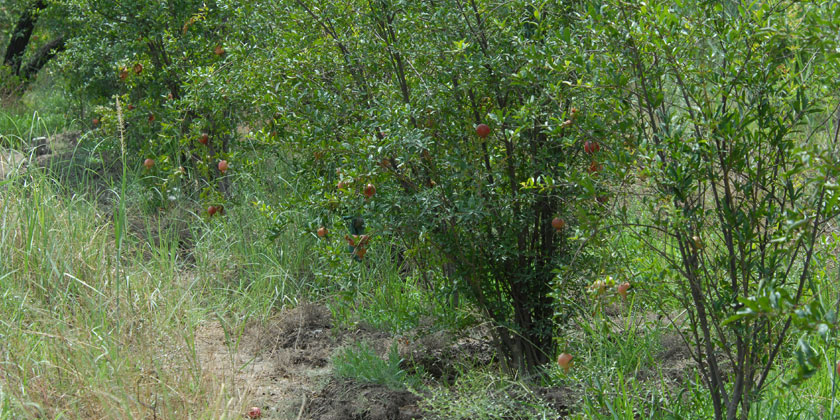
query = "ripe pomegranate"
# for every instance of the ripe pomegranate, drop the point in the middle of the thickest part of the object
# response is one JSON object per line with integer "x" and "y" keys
{"x": 254, "y": 413}
{"x": 151, "y": 118}
{"x": 130, "y": 107}
{"x": 148, "y": 163}
{"x": 564, "y": 360}
{"x": 591, "y": 147}
{"x": 558, "y": 224}
{"x": 360, "y": 252}
{"x": 370, "y": 190}
{"x": 218, "y": 50}
{"x": 204, "y": 138}
{"x": 123, "y": 74}
{"x": 623, "y": 288}
{"x": 138, "y": 68}
{"x": 95, "y": 122}
{"x": 322, "y": 232}
{"x": 223, "y": 166}
{"x": 482, "y": 130}
{"x": 212, "y": 210}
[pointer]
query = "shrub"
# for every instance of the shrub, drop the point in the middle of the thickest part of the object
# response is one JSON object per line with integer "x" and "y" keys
{"x": 731, "y": 120}
{"x": 160, "y": 58}
{"x": 392, "y": 93}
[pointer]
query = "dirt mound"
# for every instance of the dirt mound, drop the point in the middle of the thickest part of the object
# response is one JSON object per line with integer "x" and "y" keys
{"x": 344, "y": 399}
{"x": 443, "y": 355}
{"x": 274, "y": 365}
{"x": 284, "y": 365}
{"x": 560, "y": 399}
{"x": 58, "y": 150}
{"x": 676, "y": 362}
{"x": 300, "y": 337}
{"x": 676, "y": 358}
{"x": 302, "y": 327}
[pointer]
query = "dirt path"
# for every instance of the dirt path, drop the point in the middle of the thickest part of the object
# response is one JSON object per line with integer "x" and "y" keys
{"x": 284, "y": 367}
{"x": 275, "y": 378}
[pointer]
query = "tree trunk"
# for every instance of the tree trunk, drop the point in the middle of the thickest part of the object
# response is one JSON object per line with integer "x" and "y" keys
{"x": 21, "y": 36}
{"x": 41, "y": 57}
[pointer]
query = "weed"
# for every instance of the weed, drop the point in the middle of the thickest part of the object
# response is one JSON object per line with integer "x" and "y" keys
{"x": 361, "y": 362}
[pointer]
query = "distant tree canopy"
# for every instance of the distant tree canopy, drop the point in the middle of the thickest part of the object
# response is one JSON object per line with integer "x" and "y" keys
{"x": 24, "y": 55}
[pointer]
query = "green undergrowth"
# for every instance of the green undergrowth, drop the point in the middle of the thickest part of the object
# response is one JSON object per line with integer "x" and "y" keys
{"x": 362, "y": 363}
{"x": 41, "y": 112}
{"x": 89, "y": 329}
{"x": 484, "y": 394}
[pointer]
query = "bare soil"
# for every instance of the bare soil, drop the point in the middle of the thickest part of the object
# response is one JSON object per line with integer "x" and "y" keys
{"x": 278, "y": 379}
{"x": 344, "y": 399}
{"x": 283, "y": 366}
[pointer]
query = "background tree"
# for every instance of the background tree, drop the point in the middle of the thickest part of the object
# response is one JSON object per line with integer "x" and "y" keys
{"x": 18, "y": 42}
{"x": 162, "y": 59}
{"x": 739, "y": 134}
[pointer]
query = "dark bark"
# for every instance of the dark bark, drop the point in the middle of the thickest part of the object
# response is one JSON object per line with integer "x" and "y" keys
{"x": 41, "y": 57}
{"x": 21, "y": 35}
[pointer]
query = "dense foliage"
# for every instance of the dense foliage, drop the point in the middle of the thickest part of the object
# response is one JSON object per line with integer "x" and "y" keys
{"x": 731, "y": 102}
{"x": 495, "y": 145}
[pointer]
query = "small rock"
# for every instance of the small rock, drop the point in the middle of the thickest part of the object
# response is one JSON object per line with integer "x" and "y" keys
{"x": 42, "y": 146}
{"x": 11, "y": 161}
